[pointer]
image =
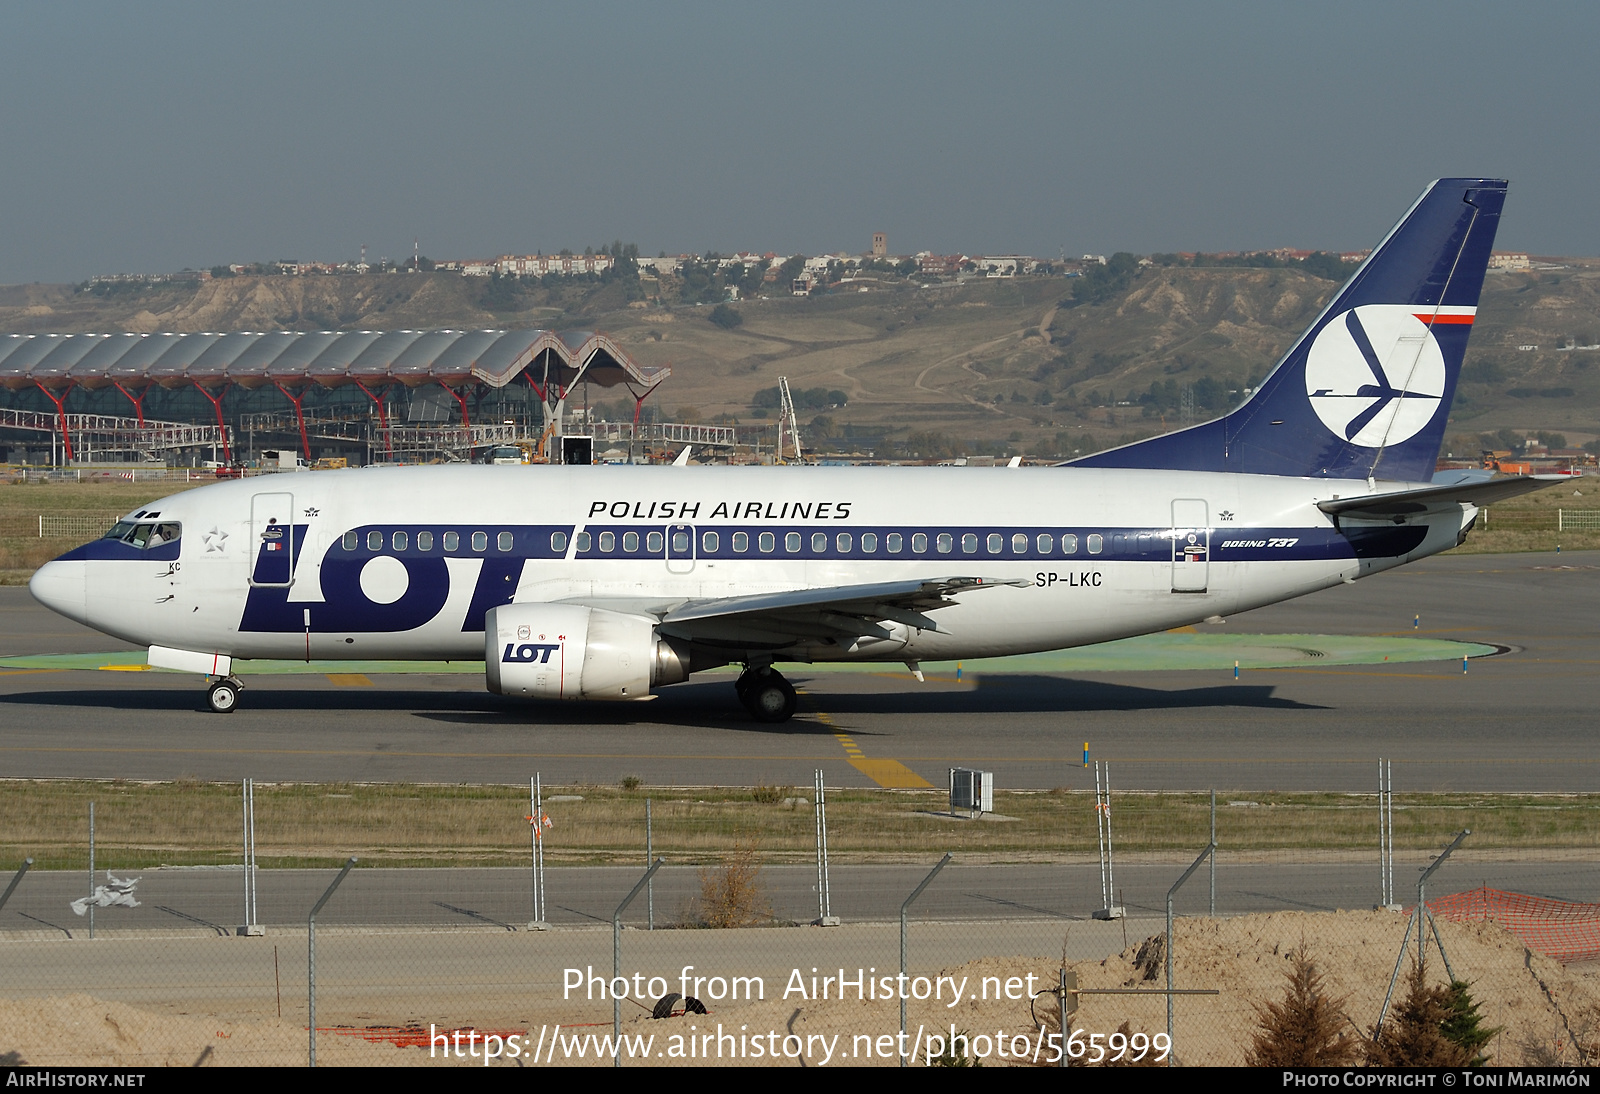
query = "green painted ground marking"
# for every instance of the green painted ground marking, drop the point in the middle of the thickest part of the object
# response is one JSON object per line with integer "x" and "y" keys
{"x": 1148, "y": 652}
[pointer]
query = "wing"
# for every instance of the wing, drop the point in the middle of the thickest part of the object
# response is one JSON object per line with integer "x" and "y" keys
{"x": 779, "y": 619}
{"x": 1436, "y": 499}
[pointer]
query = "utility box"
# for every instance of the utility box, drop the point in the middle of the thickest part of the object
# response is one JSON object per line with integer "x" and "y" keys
{"x": 971, "y": 790}
{"x": 577, "y": 450}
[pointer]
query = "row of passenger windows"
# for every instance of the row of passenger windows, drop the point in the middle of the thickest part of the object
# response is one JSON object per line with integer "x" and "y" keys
{"x": 893, "y": 543}
{"x": 451, "y": 541}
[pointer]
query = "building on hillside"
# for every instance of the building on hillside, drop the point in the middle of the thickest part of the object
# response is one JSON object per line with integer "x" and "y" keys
{"x": 1507, "y": 260}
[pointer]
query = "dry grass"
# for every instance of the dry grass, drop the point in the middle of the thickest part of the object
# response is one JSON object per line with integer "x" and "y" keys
{"x": 183, "y": 823}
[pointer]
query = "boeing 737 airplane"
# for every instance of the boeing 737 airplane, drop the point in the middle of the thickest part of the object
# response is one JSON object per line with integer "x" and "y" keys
{"x": 607, "y": 582}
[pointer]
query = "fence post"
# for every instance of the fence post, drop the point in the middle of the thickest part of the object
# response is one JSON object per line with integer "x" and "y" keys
{"x": 251, "y": 928}
{"x": 1207, "y": 853}
{"x": 536, "y": 838}
{"x": 91, "y": 869}
{"x": 16, "y": 879}
{"x": 1421, "y": 917}
{"x": 311, "y": 958}
{"x": 649, "y": 857}
{"x": 825, "y": 916}
{"x": 616, "y": 958}
{"x": 903, "y": 907}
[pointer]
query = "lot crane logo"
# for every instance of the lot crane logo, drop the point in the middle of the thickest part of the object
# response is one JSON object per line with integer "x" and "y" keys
{"x": 1375, "y": 375}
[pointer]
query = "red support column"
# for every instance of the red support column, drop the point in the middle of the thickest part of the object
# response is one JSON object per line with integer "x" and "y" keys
{"x": 138, "y": 404}
{"x": 383, "y": 420}
{"x": 216, "y": 401}
{"x": 61, "y": 414}
{"x": 299, "y": 417}
{"x": 466, "y": 423}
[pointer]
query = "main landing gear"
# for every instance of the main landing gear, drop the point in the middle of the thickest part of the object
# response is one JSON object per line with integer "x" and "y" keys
{"x": 766, "y": 694}
{"x": 223, "y": 695}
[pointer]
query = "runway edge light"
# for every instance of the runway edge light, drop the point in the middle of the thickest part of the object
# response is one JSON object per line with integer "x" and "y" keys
{"x": 1086, "y": 754}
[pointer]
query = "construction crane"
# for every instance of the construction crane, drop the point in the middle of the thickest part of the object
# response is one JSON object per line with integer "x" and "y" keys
{"x": 786, "y": 421}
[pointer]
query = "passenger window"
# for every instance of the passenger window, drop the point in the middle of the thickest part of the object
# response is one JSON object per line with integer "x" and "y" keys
{"x": 1044, "y": 543}
{"x": 452, "y": 541}
{"x": 768, "y": 541}
{"x": 969, "y": 543}
{"x": 741, "y": 541}
{"x": 843, "y": 541}
{"x": 1019, "y": 543}
{"x": 583, "y": 543}
{"x": 895, "y": 543}
{"x": 819, "y": 542}
{"x": 401, "y": 541}
{"x": 1069, "y": 544}
{"x": 558, "y": 542}
{"x": 680, "y": 542}
{"x": 791, "y": 542}
{"x": 480, "y": 541}
{"x": 653, "y": 542}
{"x": 374, "y": 541}
{"x": 630, "y": 541}
{"x": 351, "y": 541}
{"x": 503, "y": 541}
{"x": 1096, "y": 543}
{"x": 919, "y": 543}
{"x": 608, "y": 542}
{"x": 424, "y": 541}
{"x": 945, "y": 541}
{"x": 710, "y": 542}
{"x": 869, "y": 542}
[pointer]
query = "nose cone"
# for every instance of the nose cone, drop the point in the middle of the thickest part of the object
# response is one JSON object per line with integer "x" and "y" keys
{"x": 59, "y": 586}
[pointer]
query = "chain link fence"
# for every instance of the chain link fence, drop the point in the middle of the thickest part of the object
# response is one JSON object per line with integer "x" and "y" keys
{"x": 717, "y": 960}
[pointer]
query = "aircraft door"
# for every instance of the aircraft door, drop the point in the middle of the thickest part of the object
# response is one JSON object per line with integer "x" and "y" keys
{"x": 1191, "y": 545}
{"x": 680, "y": 548}
{"x": 272, "y": 536}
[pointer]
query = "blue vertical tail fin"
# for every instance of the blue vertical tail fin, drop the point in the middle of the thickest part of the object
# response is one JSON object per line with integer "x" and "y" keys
{"x": 1366, "y": 390}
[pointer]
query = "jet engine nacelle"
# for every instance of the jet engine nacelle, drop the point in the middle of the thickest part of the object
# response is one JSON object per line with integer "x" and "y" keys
{"x": 567, "y": 651}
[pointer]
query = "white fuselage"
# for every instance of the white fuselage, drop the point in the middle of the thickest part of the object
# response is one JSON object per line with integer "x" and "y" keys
{"x": 402, "y": 563}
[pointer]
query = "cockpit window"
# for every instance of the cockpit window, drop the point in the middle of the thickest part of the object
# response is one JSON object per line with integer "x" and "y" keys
{"x": 146, "y": 534}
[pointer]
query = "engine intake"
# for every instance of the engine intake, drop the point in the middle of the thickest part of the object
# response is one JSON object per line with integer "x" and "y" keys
{"x": 567, "y": 651}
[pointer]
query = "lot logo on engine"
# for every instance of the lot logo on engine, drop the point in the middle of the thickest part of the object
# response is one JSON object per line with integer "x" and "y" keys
{"x": 529, "y": 653}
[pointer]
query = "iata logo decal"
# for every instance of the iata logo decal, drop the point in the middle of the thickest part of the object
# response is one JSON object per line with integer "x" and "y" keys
{"x": 1375, "y": 375}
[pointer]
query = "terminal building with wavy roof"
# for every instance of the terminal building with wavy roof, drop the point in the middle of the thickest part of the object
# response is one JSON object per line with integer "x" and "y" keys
{"x": 385, "y": 366}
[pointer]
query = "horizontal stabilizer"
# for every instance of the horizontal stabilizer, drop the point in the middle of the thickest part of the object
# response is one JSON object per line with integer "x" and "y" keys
{"x": 1405, "y": 503}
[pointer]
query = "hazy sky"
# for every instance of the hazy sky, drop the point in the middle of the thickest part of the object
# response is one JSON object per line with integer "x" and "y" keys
{"x": 147, "y": 137}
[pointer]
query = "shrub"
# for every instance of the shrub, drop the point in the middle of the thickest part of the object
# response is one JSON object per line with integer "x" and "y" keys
{"x": 1414, "y": 1034}
{"x": 731, "y": 894}
{"x": 725, "y": 317}
{"x": 1307, "y": 1029}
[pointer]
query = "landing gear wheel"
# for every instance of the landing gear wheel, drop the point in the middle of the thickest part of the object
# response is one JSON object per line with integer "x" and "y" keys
{"x": 770, "y": 698}
{"x": 224, "y": 696}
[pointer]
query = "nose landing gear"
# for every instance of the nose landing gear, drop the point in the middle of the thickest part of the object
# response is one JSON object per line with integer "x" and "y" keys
{"x": 766, "y": 694}
{"x": 223, "y": 695}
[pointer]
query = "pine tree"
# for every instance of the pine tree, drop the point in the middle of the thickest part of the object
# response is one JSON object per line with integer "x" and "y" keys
{"x": 1307, "y": 1028}
{"x": 1464, "y": 1025}
{"x": 1414, "y": 1035}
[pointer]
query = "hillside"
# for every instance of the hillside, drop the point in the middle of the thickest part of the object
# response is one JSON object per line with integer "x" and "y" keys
{"x": 984, "y": 366}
